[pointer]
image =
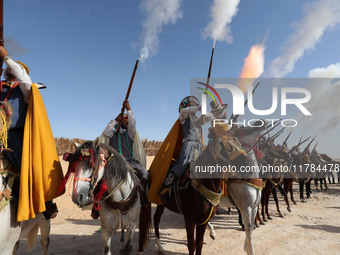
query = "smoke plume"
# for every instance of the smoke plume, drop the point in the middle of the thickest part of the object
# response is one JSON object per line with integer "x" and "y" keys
{"x": 158, "y": 13}
{"x": 221, "y": 14}
{"x": 319, "y": 17}
{"x": 325, "y": 103}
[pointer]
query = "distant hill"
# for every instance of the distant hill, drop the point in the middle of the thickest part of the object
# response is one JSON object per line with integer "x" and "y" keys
{"x": 66, "y": 145}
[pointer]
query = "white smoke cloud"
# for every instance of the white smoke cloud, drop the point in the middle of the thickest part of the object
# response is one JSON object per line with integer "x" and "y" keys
{"x": 158, "y": 13}
{"x": 221, "y": 13}
{"x": 325, "y": 104}
{"x": 332, "y": 71}
{"x": 319, "y": 17}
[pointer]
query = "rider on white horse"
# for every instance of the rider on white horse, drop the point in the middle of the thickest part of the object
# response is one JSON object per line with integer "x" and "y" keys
{"x": 124, "y": 142}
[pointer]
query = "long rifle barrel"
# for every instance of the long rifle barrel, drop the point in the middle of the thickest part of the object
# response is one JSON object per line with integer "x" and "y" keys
{"x": 285, "y": 141}
{"x": 310, "y": 143}
{"x": 128, "y": 91}
{"x": 210, "y": 65}
{"x": 130, "y": 85}
{"x": 275, "y": 124}
{"x": 303, "y": 141}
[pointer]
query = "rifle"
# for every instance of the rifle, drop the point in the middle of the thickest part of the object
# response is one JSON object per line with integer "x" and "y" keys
{"x": 299, "y": 143}
{"x": 275, "y": 124}
{"x": 1, "y": 31}
{"x": 128, "y": 92}
{"x": 210, "y": 65}
{"x": 285, "y": 141}
{"x": 310, "y": 143}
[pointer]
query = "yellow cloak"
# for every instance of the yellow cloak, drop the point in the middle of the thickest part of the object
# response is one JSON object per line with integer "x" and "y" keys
{"x": 168, "y": 151}
{"x": 41, "y": 172}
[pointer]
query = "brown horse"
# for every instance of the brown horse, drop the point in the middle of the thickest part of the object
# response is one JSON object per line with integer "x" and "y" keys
{"x": 199, "y": 201}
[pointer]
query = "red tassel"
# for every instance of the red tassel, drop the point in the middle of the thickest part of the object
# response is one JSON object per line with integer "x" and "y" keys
{"x": 103, "y": 189}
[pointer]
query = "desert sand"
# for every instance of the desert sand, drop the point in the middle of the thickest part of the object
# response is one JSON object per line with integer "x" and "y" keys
{"x": 311, "y": 228}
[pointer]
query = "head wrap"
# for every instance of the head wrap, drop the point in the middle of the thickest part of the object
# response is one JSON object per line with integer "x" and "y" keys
{"x": 187, "y": 101}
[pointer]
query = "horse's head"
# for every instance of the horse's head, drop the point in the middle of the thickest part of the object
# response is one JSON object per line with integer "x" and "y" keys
{"x": 250, "y": 135}
{"x": 87, "y": 164}
{"x": 224, "y": 149}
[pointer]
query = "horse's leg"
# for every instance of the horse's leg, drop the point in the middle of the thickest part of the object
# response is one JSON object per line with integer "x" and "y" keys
{"x": 240, "y": 218}
{"x": 266, "y": 204}
{"x": 16, "y": 247}
{"x": 106, "y": 231}
{"x": 129, "y": 233}
{"x": 248, "y": 221}
{"x": 263, "y": 203}
{"x": 122, "y": 239}
{"x": 316, "y": 184}
{"x": 258, "y": 219}
{"x": 190, "y": 229}
{"x": 326, "y": 188}
{"x": 308, "y": 188}
{"x": 301, "y": 184}
{"x": 276, "y": 202}
{"x": 212, "y": 231}
{"x": 200, "y": 230}
{"x": 285, "y": 197}
{"x": 290, "y": 187}
{"x": 144, "y": 227}
{"x": 156, "y": 219}
{"x": 45, "y": 227}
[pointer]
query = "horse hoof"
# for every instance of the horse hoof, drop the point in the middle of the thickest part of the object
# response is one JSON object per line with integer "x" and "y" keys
{"x": 281, "y": 215}
{"x": 213, "y": 237}
{"x": 269, "y": 218}
{"x": 262, "y": 223}
{"x": 288, "y": 209}
{"x": 265, "y": 220}
{"x": 161, "y": 252}
{"x": 294, "y": 203}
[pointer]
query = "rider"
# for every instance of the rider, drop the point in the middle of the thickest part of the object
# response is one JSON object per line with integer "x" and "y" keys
{"x": 123, "y": 141}
{"x": 191, "y": 143}
{"x": 17, "y": 90}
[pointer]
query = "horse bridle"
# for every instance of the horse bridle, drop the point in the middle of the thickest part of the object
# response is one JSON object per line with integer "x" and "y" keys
{"x": 94, "y": 177}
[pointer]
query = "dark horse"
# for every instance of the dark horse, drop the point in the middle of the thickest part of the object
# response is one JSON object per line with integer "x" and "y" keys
{"x": 199, "y": 201}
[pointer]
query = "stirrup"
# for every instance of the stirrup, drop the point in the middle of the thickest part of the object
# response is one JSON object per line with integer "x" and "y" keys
{"x": 169, "y": 179}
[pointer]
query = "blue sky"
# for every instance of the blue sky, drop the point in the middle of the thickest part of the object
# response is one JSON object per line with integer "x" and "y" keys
{"x": 85, "y": 51}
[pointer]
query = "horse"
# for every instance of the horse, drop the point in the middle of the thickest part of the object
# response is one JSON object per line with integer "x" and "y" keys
{"x": 94, "y": 163}
{"x": 319, "y": 163}
{"x": 331, "y": 163}
{"x": 274, "y": 156}
{"x": 12, "y": 231}
{"x": 248, "y": 136}
{"x": 197, "y": 209}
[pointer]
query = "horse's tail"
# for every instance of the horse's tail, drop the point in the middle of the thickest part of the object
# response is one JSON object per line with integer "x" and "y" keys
{"x": 144, "y": 226}
{"x": 32, "y": 236}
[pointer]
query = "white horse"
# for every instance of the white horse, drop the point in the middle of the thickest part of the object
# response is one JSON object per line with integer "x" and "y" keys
{"x": 12, "y": 231}
{"x": 120, "y": 204}
{"x": 242, "y": 195}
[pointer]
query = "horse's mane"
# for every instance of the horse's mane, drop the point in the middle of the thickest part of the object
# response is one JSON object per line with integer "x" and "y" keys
{"x": 117, "y": 167}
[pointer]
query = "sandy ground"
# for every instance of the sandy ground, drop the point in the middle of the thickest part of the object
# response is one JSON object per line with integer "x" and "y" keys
{"x": 311, "y": 228}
